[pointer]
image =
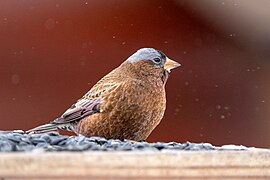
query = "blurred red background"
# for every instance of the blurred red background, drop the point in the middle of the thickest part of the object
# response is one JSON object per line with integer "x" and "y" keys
{"x": 53, "y": 51}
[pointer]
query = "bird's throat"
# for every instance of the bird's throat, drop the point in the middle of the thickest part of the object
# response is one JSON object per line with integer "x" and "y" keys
{"x": 165, "y": 76}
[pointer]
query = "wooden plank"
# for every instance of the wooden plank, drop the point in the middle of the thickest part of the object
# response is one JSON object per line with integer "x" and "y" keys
{"x": 137, "y": 165}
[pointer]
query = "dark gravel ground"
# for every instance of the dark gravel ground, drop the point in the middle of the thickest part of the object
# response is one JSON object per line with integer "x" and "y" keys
{"x": 11, "y": 141}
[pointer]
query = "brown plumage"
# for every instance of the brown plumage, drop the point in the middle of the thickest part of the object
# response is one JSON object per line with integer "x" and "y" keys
{"x": 127, "y": 103}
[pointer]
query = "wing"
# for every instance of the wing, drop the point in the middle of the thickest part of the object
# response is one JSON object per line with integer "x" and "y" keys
{"x": 89, "y": 104}
{"x": 79, "y": 110}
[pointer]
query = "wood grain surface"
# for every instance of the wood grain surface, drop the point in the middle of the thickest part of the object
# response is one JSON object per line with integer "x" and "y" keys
{"x": 136, "y": 165}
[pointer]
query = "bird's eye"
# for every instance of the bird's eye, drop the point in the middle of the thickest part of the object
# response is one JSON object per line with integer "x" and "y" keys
{"x": 157, "y": 60}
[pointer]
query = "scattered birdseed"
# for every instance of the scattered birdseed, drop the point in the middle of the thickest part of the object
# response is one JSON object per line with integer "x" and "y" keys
{"x": 12, "y": 141}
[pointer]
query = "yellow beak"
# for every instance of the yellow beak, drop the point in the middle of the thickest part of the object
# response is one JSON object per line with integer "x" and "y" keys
{"x": 170, "y": 64}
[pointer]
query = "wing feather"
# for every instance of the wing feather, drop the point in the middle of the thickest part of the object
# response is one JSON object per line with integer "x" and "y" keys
{"x": 81, "y": 109}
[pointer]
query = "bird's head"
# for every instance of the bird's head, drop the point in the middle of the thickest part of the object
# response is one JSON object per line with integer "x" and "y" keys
{"x": 152, "y": 57}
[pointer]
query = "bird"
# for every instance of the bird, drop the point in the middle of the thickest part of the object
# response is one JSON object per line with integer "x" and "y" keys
{"x": 126, "y": 104}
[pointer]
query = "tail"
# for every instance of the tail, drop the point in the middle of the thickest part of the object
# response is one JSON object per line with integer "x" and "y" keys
{"x": 44, "y": 128}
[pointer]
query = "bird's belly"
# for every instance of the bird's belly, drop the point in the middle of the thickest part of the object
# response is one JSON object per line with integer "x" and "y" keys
{"x": 137, "y": 122}
{"x": 127, "y": 119}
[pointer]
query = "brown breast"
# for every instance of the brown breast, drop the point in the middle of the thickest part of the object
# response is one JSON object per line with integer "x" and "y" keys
{"x": 132, "y": 109}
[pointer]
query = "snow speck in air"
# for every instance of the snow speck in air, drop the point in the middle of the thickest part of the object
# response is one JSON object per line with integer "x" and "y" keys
{"x": 49, "y": 24}
{"x": 84, "y": 45}
{"x": 18, "y": 52}
{"x": 222, "y": 117}
{"x": 15, "y": 79}
{"x": 82, "y": 63}
{"x": 226, "y": 107}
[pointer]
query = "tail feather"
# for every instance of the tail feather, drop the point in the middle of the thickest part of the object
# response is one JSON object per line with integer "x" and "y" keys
{"x": 44, "y": 128}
